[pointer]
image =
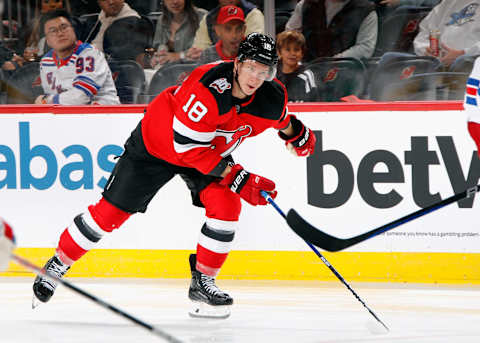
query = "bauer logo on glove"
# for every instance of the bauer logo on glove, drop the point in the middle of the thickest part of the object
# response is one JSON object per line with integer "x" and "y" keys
{"x": 249, "y": 185}
{"x": 7, "y": 244}
{"x": 303, "y": 141}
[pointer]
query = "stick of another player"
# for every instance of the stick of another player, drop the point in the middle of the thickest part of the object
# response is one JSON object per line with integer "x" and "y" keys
{"x": 160, "y": 333}
{"x": 333, "y": 270}
{"x": 7, "y": 245}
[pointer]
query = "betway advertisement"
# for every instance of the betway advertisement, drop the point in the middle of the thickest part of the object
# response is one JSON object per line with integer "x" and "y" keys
{"x": 370, "y": 168}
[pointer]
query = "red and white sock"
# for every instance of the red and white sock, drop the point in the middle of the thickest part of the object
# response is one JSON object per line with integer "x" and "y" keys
{"x": 214, "y": 244}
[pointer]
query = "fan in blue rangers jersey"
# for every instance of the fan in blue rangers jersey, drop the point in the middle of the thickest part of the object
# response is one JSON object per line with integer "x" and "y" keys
{"x": 72, "y": 72}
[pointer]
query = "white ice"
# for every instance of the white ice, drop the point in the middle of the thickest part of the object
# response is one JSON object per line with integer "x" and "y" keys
{"x": 264, "y": 311}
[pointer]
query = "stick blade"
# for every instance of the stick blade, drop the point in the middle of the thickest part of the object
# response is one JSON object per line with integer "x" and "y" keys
{"x": 313, "y": 235}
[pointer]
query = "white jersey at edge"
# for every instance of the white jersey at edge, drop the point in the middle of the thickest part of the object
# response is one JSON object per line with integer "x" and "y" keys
{"x": 82, "y": 78}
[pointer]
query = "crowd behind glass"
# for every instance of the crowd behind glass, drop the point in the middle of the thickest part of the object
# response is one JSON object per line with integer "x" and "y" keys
{"x": 330, "y": 50}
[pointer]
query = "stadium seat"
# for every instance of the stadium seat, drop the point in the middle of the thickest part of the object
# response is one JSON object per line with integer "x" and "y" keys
{"x": 398, "y": 30}
{"x": 338, "y": 77}
{"x": 129, "y": 80}
{"x": 154, "y": 16}
{"x": 24, "y": 85}
{"x": 463, "y": 64}
{"x": 397, "y": 69}
{"x": 167, "y": 76}
{"x": 426, "y": 86}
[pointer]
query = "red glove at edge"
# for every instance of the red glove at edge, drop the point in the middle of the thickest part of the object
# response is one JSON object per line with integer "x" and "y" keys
{"x": 249, "y": 185}
{"x": 303, "y": 142}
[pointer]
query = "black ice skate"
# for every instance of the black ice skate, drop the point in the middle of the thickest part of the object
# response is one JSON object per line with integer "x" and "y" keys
{"x": 208, "y": 300}
{"x": 43, "y": 288}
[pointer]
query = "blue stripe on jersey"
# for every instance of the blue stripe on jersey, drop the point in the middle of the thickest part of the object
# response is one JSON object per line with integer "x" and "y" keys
{"x": 49, "y": 53}
{"x": 48, "y": 64}
{"x": 471, "y": 101}
{"x": 87, "y": 80}
{"x": 473, "y": 82}
{"x": 85, "y": 90}
{"x": 82, "y": 47}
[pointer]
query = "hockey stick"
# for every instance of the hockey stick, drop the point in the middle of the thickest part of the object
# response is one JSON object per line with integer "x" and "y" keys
{"x": 330, "y": 243}
{"x": 167, "y": 337}
{"x": 324, "y": 260}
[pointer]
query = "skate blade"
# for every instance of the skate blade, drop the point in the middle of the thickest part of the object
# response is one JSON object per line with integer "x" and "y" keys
{"x": 35, "y": 302}
{"x": 202, "y": 310}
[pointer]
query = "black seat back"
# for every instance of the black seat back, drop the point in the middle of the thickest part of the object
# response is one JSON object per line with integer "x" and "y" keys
{"x": 463, "y": 64}
{"x": 397, "y": 69}
{"x": 169, "y": 75}
{"x": 24, "y": 85}
{"x": 338, "y": 77}
{"x": 129, "y": 80}
{"x": 399, "y": 29}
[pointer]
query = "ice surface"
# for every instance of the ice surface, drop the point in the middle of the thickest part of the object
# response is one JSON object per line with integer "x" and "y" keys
{"x": 264, "y": 311}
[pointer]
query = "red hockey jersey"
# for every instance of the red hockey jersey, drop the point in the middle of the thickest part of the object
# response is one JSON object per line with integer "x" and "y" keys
{"x": 200, "y": 123}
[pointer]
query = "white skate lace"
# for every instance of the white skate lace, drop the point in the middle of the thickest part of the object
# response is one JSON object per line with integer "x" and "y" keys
{"x": 209, "y": 284}
{"x": 57, "y": 270}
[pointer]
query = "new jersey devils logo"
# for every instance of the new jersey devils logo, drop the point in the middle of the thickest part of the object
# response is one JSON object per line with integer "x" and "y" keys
{"x": 407, "y": 72}
{"x": 221, "y": 85}
{"x": 233, "y": 138}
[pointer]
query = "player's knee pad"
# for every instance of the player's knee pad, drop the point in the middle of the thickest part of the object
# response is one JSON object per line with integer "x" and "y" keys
{"x": 221, "y": 203}
{"x": 107, "y": 216}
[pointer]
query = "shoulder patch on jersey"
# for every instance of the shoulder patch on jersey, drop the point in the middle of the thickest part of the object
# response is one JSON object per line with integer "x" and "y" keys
{"x": 212, "y": 76}
{"x": 220, "y": 85}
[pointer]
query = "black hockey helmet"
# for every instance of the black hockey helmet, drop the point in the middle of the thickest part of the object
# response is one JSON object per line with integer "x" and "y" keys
{"x": 258, "y": 47}
{"x": 262, "y": 49}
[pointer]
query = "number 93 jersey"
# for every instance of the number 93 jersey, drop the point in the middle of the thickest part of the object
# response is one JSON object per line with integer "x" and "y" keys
{"x": 199, "y": 123}
{"x": 82, "y": 78}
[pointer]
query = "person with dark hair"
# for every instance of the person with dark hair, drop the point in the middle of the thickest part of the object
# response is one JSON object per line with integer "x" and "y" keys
{"x": 31, "y": 45}
{"x": 230, "y": 29}
{"x": 336, "y": 28}
{"x": 175, "y": 30}
{"x": 117, "y": 31}
{"x": 191, "y": 130}
{"x": 298, "y": 80}
{"x": 72, "y": 72}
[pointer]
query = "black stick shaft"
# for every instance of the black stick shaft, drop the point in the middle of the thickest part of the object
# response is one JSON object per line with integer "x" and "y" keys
{"x": 167, "y": 337}
{"x": 325, "y": 261}
{"x": 331, "y": 243}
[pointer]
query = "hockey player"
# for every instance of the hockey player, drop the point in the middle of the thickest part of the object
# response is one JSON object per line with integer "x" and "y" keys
{"x": 191, "y": 130}
{"x": 72, "y": 72}
{"x": 471, "y": 103}
{"x": 7, "y": 244}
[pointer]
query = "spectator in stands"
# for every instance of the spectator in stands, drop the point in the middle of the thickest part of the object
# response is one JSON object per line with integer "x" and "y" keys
{"x": 230, "y": 29}
{"x": 458, "y": 23}
{"x": 416, "y": 3}
{"x": 336, "y": 28}
{"x": 175, "y": 30}
{"x": 206, "y": 37}
{"x": 32, "y": 44}
{"x": 117, "y": 31}
{"x": 298, "y": 80}
{"x": 72, "y": 72}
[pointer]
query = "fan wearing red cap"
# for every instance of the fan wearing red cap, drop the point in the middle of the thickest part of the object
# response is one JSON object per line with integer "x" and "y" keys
{"x": 230, "y": 29}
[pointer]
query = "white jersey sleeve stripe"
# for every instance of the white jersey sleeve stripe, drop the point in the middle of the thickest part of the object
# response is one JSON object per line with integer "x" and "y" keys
{"x": 185, "y": 131}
